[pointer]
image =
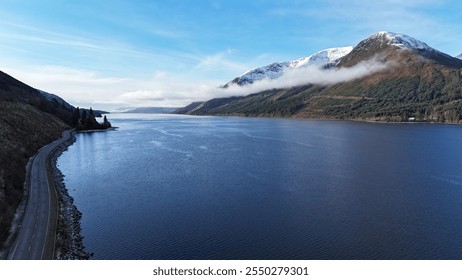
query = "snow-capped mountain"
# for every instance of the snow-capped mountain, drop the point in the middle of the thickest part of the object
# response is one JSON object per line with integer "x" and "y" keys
{"x": 332, "y": 57}
{"x": 325, "y": 58}
{"x": 404, "y": 79}
{"x": 459, "y": 56}
{"x": 347, "y": 56}
{"x": 367, "y": 49}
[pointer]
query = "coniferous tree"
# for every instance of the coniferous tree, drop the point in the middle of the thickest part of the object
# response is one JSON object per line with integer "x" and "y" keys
{"x": 88, "y": 121}
{"x": 84, "y": 119}
{"x": 76, "y": 117}
{"x": 92, "y": 123}
{"x": 106, "y": 123}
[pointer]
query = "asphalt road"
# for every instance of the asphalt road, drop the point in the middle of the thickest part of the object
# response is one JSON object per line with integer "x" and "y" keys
{"x": 36, "y": 235}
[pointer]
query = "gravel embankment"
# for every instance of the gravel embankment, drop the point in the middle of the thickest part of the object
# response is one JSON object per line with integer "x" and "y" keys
{"x": 69, "y": 241}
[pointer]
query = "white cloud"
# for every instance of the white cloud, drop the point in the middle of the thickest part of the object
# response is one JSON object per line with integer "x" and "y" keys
{"x": 74, "y": 85}
{"x": 221, "y": 62}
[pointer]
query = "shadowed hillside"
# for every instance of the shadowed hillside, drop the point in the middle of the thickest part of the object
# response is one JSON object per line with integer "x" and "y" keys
{"x": 28, "y": 121}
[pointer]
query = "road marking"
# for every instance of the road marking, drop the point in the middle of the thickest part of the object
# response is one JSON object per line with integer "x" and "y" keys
{"x": 33, "y": 235}
{"x": 14, "y": 250}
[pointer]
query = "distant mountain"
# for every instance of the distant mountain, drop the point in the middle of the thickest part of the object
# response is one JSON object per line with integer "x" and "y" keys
{"x": 97, "y": 113}
{"x": 415, "y": 82}
{"x": 325, "y": 58}
{"x": 146, "y": 110}
{"x": 29, "y": 119}
{"x": 459, "y": 56}
{"x": 189, "y": 109}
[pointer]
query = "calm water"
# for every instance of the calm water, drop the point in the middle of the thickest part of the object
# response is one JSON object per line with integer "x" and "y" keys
{"x": 178, "y": 187}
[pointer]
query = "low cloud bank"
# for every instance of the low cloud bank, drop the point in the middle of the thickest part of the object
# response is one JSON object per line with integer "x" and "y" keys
{"x": 310, "y": 75}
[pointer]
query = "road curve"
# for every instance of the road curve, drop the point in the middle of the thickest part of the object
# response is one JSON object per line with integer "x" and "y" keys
{"x": 36, "y": 236}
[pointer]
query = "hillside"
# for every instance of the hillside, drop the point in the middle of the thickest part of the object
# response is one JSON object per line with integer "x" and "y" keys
{"x": 28, "y": 121}
{"x": 414, "y": 82}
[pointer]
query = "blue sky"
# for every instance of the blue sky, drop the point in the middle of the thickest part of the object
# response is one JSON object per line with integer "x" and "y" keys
{"x": 110, "y": 54}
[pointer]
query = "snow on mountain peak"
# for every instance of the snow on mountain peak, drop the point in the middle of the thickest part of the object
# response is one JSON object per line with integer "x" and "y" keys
{"x": 271, "y": 71}
{"x": 401, "y": 40}
{"x": 321, "y": 58}
{"x": 459, "y": 56}
{"x": 324, "y": 58}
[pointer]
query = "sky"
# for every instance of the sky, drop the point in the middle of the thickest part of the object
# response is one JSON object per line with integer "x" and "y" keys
{"x": 125, "y": 53}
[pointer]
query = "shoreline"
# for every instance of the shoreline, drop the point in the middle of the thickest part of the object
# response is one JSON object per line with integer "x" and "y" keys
{"x": 325, "y": 119}
{"x": 68, "y": 239}
{"x": 97, "y": 130}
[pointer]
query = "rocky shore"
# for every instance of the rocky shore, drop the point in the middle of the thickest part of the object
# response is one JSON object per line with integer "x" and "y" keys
{"x": 69, "y": 241}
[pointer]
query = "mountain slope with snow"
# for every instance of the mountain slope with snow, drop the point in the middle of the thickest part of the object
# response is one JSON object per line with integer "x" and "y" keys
{"x": 386, "y": 44}
{"x": 459, "y": 56}
{"x": 325, "y": 58}
{"x": 321, "y": 58}
{"x": 400, "y": 40}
